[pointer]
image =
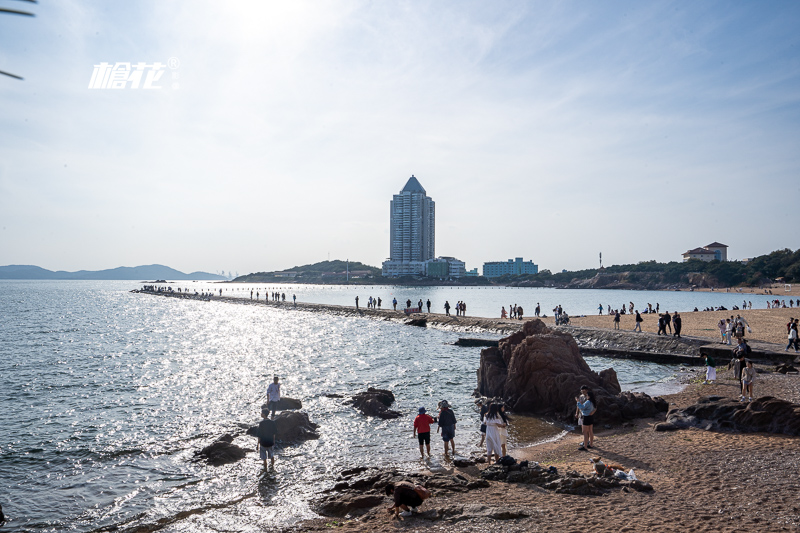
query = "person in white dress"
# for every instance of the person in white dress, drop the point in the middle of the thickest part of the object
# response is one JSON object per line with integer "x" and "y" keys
{"x": 494, "y": 425}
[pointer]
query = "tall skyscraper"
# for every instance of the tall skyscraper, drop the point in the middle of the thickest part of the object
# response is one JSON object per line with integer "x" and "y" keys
{"x": 412, "y": 231}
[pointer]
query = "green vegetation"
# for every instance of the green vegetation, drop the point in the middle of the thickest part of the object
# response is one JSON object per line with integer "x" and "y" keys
{"x": 779, "y": 265}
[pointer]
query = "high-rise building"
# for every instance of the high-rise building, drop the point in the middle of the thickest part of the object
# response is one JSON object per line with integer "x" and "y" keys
{"x": 412, "y": 231}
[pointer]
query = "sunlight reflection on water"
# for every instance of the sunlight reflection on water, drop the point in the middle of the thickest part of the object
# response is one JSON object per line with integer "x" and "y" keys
{"x": 107, "y": 395}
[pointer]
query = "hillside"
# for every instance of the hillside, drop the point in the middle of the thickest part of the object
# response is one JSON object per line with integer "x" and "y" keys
{"x": 139, "y": 273}
{"x": 323, "y": 272}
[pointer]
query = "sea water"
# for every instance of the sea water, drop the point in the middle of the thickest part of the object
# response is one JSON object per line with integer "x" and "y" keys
{"x": 105, "y": 396}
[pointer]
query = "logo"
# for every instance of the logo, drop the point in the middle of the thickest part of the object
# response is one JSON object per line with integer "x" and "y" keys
{"x": 134, "y": 75}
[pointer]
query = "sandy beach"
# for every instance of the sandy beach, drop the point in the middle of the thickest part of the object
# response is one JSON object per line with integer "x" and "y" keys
{"x": 768, "y": 325}
{"x": 703, "y": 480}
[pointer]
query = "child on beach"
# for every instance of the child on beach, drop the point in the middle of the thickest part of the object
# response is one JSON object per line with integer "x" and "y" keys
{"x": 422, "y": 430}
{"x": 587, "y": 408}
{"x": 722, "y": 328}
{"x": 748, "y": 375}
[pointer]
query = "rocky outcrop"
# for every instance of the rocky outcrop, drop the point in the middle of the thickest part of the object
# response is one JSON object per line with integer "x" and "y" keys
{"x": 570, "y": 482}
{"x": 763, "y": 415}
{"x": 540, "y": 371}
{"x": 286, "y": 404}
{"x": 375, "y": 402}
{"x": 221, "y": 452}
{"x": 292, "y": 426}
{"x": 358, "y": 490}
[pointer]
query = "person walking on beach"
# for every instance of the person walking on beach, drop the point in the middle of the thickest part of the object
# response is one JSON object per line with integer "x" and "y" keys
{"x": 494, "y": 422}
{"x": 267, "y": 430}
{"x": 721, "y": 327}
{"x": 588, "y": 408}
{"x": 711, "y": 369}
{"x": 408, "y": 303}
{"x": 600, "y": 309}
{"x": 638, "y": 322}
{"x": 356, "y": 303}
{"x": 428, "y": 305}
{"x": 422, "y": 430}
{"x": 394, "y": 303}
{"x": 668, "y": 322}
{"x": 616, "y": 320}
{"x": 503, "y": 314}
{"x": 676, "y": 321}
{"x": 447, "y": 308}
{"x": 379, "y": 302}
{"x": 748, "y": 376}
{"x": 729, "y": 330}
{"x": 273, "y": 395}
{"x": 294, "y": 299}
{"x": 792, "y": 336}
{"x": 538, "y": 309}
{"x": 447, "y": 425}
{"x": 520, "y": 312}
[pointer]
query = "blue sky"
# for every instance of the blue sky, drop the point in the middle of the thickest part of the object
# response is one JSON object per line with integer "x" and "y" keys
{"x": 548, "y": 130}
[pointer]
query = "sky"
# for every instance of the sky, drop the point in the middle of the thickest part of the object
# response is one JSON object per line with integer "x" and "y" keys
{"x": 553, "y": 131}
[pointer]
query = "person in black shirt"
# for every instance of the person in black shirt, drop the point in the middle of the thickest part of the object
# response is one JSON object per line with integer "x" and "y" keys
{"x": 266, "y": 438}
{"x": 447, "y": 425}
{"x": 676, "y": 321}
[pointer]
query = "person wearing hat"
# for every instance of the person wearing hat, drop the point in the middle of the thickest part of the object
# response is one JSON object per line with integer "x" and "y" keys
{"x": 422, "y": 430}
{"x": 273, "y": 395}
{"x": 447, "y": 425}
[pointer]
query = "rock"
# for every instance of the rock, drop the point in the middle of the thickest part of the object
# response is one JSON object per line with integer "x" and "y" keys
{"x": 375, "y": 402}
{"x": 420, "y": 322}
{"x": 476, "y": 342}
{"x": 763, "y": 415}
{"x": 221, "y": 452}
{"x": 569, "y": 483}
{"x": 286, "y": 404}
{"x": 640, "y": 486}
{"x": 785, "y": 368}
{"x": 457, "y": 513}
{"x": 462, "y": 462}
{"x": 2, "y": 516}
{"x": 292, "y": 426}
{"x": 366, "y": 489}
{"x": 540, "y": 371}
{"x": 343, "y": 504}
{"x": 295, "y": 426}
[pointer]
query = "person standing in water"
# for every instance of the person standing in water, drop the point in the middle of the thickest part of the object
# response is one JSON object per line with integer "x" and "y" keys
{"x": 447, "y": 425}
{"x": 422, "y": 430}
{"x": 266, "y": 438}
{"x": 273, "y": 395}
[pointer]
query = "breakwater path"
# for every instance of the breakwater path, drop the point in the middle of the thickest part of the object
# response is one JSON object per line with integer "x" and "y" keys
{"x": 617, "y": 344}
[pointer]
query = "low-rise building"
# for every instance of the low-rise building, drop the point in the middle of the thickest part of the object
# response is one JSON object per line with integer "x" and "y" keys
{"x": 513, "y": 267}
{"x": 710, "y": 252}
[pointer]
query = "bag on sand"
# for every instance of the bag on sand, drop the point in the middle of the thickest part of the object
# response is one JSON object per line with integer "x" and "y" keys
{"x": 507, "y": 460}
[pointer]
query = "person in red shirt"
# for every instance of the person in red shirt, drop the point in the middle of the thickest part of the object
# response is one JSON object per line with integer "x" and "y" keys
{"x": 422, "y": 430}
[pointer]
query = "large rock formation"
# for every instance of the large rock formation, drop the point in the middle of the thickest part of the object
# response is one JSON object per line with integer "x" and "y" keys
{"x": 540, "y": 371}
{"x": 767, "y": 415}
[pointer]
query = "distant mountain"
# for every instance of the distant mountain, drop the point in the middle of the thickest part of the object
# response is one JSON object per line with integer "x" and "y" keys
{"x": 140, "y": 273}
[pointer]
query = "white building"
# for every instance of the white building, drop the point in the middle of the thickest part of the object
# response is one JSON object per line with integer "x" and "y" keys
{"x": 412, "y": 230}
{"x": 709, "y": 252}
{"x": 514, "y": 267}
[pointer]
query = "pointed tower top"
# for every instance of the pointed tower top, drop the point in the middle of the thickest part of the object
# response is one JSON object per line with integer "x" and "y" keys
{"x": 412, "y": 185}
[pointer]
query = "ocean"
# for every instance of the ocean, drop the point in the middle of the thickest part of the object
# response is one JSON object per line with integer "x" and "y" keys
{"x": 105, "y": 396}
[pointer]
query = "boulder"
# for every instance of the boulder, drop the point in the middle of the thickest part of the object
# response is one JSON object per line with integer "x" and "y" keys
{"x": 375, "y": 402}
{"x": 292, "y": 426}
{"x": 420, "y": 322}
{"x": 360, "y": 488}
{"x": 286, "y": 404}
{"x": 221, "y": 452}
{"x": 570, "y": 482}
{"x": 785, "y": 369}
{"x": 540, "y": 371}
{"x": 344, "y": 504}
{"x": 762, "y": 415}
